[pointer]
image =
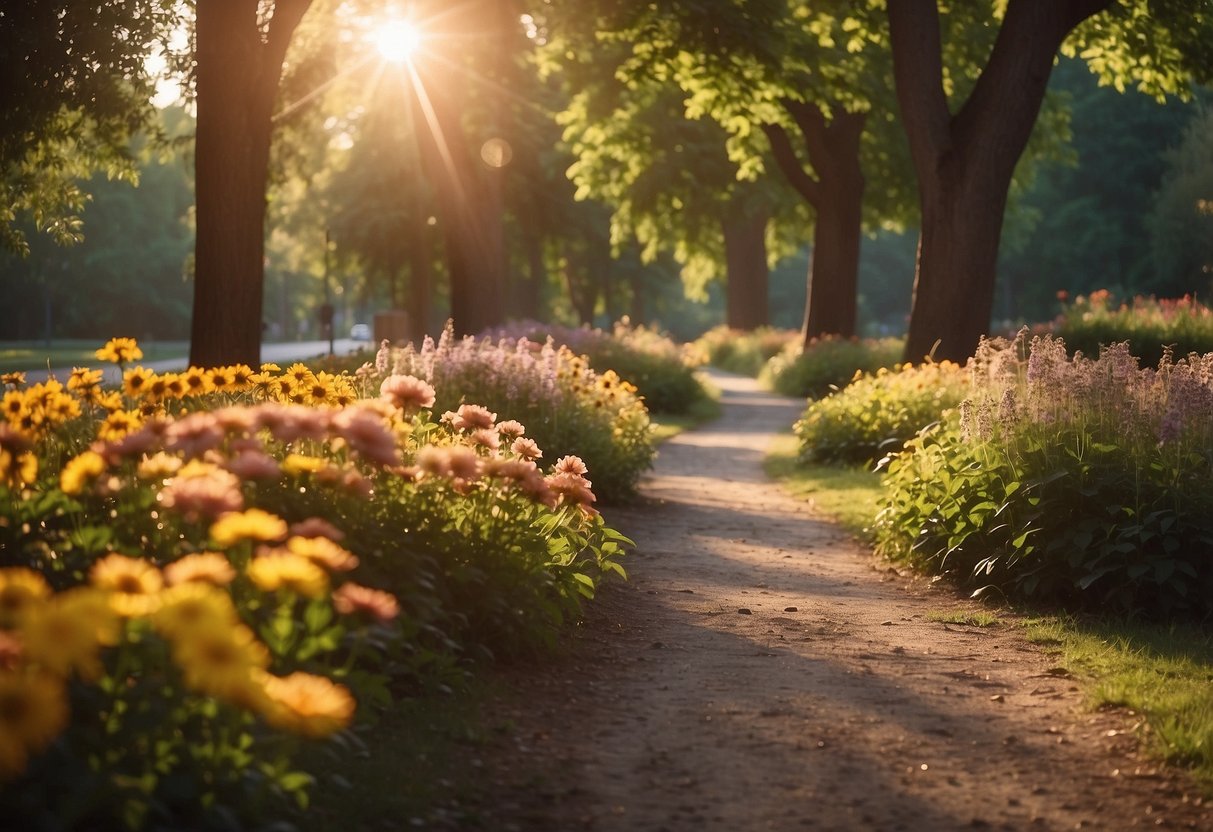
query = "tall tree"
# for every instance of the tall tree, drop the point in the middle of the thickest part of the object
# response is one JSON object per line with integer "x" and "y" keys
{"x": 240, "y": 48}
{"x": 964, "y": 161}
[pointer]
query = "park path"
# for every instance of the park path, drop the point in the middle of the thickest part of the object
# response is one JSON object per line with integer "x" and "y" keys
{"x": 759, "y": 672}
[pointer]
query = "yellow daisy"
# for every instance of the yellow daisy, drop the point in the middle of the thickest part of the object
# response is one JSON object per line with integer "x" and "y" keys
{"x": 201, "y": 567}
{"x": 323, "y": 552}
{"x": 67, "y": 632}
{"x": 81, "y": 470}
{"x": 120, "y": 351}
{"x": 284, "y": 570}
{"x": 251, "y": 524}
{"x": 220, "y": 661}
{"x": 33, "y": 711}
{"x": 20, "y": 589}
{"x": 192, "y": 607}
{"x": 135, "y": 381}
{"x": 133, "y": 583}
{"x": 196, "y": 381}
{"x": 309, "y": 705}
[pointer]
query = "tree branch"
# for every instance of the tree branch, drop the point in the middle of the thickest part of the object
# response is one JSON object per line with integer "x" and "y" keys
{"x": 287, "y": 14}
{"x": 790, "y": 166}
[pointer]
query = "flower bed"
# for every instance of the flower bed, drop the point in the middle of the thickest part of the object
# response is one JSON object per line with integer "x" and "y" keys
{"x": 205, "y": 569}
{"x": 1081, "y": 481}
{"x": 1147, "y": 324}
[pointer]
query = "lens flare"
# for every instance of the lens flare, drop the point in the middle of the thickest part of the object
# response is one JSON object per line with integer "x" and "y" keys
{"x": 397, "y": 40}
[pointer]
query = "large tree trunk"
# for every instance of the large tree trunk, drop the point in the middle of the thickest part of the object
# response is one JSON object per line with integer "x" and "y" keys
{"x": 468, "y": 192}
{"x": 836, "y": 194}
{"x": 237, "y": 82}
{"x": 964, "y": 163}
{"x": 747, "y": 274}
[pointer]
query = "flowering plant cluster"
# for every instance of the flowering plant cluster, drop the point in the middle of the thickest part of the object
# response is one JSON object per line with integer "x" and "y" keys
{"x": 828, "y": 363}
{"x": 182, "y": 595}
{"x": 876, "y": 413}
{"x": 662, "y": 370}
{"x": 568, "y": 407}
{"x": 1147, "y": 324}
{"x": 744, "y": 352}
{"x": 1076, "y": 480}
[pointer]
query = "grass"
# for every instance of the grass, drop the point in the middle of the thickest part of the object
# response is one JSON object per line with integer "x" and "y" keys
{"x": 65, "y": 354}
{"x": 1164, "y": 673}
{"x": 968, "y": 618}
{"x": 849, "y": 496}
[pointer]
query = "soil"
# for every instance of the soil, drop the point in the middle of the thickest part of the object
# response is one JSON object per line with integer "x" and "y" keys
{"x": 760, "y": 671}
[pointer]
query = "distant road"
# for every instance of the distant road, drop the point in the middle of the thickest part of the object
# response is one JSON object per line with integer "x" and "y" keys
{"x": 277, "y": 353}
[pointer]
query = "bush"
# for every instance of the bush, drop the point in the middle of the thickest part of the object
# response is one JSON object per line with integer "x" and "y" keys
{"x": 568, "y": 408}
{"x": 1080, "y": 482}
{"x": 662, "y": 371}
{"x": 1148, "y": 325}
{"x": 876, "y": 414}
{"x": 197, "y": 575}
{"x": 745, "y": 353}
{"x": 828, "y": 364}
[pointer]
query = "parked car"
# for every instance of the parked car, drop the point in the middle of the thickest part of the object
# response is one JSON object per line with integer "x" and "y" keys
{"x": 360, "y": 332}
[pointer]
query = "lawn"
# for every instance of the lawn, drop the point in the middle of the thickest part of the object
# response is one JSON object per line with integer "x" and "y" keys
{"x": 66, "y": 354}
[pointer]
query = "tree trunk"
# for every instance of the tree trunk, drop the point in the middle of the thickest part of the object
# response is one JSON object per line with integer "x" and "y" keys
{"x": 747, "y": 274}
{"x": 964, "y": 163}
{"x": 833, "y": 282}
{"x": 237, "y": 83}
{"x": 836, "y": 194}
{"x": 468, "y": 192}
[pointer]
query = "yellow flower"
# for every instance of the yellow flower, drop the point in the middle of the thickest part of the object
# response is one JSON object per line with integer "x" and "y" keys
{"x": 133, "y": 583}
{"x": 120, "y": 351}
{"x": 309, "y": 705}
{"x": 67, "y": 632}
{"x": 219, "y": 378}
{"x": 118, "y": 424}
{"x": 15, "y": 379}
{"x": 158, "y": 466}
{"x": 201, "y": 567}
{"x": 193, "y": 607}
{"x": 111, "y": 401}
{"x": 283, "y": 570}
{"x": 18, "y": 470}
{"x": 83, "y": 380}
{"x": 301, "y": 464}
{"x": 323, "y": 552}
{"x": 300, "y": 374}
{"x": 20, "y": 589}
{"x": 79, "y": 471}
{"x": 220, "y": 661}
{"x": 14, "y": 406}
{"x": 196, "y": 381}
{"x": 135, "y": 381}
{"x": 62, "y": 408}
{"x": 252, "y": 524}
{"x": 33, "y": 711}
{"x": 270, "y": 367}
{"x": 242, "y": 376}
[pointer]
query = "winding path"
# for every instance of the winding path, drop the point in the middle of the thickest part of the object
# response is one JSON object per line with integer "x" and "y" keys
{"x": 758, "y": 672}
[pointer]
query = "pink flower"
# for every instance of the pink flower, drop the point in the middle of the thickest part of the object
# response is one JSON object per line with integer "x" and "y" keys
{"x": 253, "y": 465}
{"x": 570, "y": 465}
{"x": 408, "y": 393}
{"x": 317, "y": 527}
{"x": 366, "y": 433}
{"x": 526, "y": 448}
{"x": 473, "y": 416}
{"x": 510, "y": 429}
{"x": 487, "y": 438}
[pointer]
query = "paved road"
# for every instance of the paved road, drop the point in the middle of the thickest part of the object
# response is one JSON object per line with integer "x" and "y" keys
{"x": 278, "y": 353}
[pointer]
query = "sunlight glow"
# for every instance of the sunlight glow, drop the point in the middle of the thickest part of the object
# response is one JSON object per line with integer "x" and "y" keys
{"x": 397, "y": 40}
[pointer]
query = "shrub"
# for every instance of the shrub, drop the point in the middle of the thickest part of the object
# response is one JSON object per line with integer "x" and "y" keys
{"x": 568, "y": 408}
{"x": 662, "y": 371}
{"x": 194, "y": 579}
{"x": 876, "y": 414}
{"x": 828, "y": 363}
{"x": 1080, "y": 482}
{"x": 745, "y": 353}
{"x": 1148, "y": 325}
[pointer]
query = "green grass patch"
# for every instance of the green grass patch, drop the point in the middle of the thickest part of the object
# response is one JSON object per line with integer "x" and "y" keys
{"x": 18, "y": 356}
{"x": 1162, "y": 672}
{"x": 968, "y": 618}
{"x": 850, "y": 496}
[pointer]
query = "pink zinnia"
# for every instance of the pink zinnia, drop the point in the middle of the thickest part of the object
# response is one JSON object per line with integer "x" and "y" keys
{"x": 526, "y": 448}
{"x": 473, "y": 416}
{"x": 408, "y": 393}
{"x": 570, "y": 465}
{"x": 511, "y": 429}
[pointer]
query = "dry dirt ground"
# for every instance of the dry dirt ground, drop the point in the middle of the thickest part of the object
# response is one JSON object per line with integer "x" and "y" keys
{"x": 759, "y": 671}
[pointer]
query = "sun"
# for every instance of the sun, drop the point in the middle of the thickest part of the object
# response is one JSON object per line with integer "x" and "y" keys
{"x": 397, "y": 40}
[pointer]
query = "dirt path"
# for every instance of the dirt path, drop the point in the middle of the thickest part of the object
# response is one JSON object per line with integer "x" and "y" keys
{"x": 758, "y": 672}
